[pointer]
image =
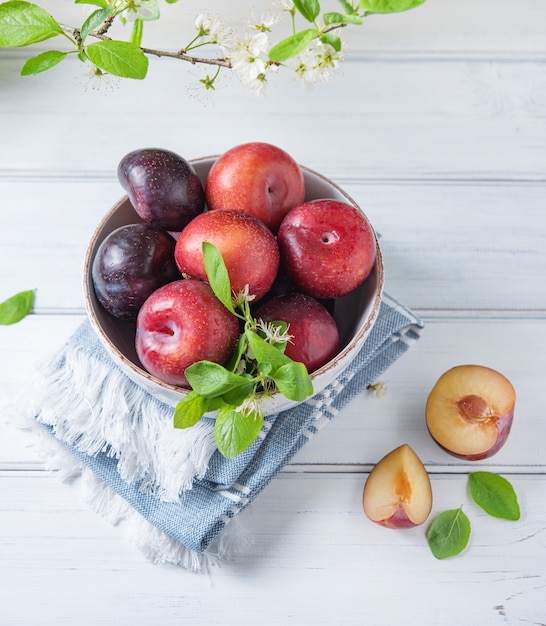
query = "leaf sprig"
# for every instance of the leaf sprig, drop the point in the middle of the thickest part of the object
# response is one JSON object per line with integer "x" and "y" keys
{"x": 257, "y": 367}
{"x": 24, "y": 23}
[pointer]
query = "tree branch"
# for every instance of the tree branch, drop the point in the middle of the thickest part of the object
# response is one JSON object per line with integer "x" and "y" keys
{"x": 180, "y": 55}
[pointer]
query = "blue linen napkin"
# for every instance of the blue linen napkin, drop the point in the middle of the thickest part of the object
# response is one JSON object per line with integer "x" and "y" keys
{"x": 185, "y": 527}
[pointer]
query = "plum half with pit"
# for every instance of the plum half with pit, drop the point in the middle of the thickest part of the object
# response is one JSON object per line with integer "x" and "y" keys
{"x": 162, "y": 186}
{"x": 132, "y": 262}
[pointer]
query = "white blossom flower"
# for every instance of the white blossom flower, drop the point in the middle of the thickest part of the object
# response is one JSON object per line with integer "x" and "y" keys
{"x": 317, "y": 62}
{"x": 250, "y": 61}
{"x": 94, "y": 78}
{"x": 243, "y": 296}
{"x": 144, "y": 9}
{"x": 285, "y": 5}
{"x": 215, "y": 29}
{"x": 250, "y": 408}
{"x": 265, "y": 23}
{"x": 273, "y": 332}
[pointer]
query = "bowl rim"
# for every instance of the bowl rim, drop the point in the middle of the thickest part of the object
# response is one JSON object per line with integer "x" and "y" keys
{"x": 342, "y": 355}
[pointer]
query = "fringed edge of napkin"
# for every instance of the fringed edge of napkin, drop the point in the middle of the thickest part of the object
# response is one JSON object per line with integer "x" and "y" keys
{"x": 111, "y": 414}
{"x": 154, "y": 544}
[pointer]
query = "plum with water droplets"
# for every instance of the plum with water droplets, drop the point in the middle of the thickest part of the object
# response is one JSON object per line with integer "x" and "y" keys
{"x": 132, "y": 262}
{"x": 162, "y": 186}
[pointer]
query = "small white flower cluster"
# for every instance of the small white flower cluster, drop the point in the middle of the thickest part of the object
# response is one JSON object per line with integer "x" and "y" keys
{"x": 317, "y": 62}
{"x": 248, "y": 54}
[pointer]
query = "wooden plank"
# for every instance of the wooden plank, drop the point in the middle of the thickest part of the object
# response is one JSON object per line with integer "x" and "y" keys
{"x": 445, "y": 246}
{"x": 313, "y": 558}
{"x": 369, "y": 426}
{"x": 481, "y": 120}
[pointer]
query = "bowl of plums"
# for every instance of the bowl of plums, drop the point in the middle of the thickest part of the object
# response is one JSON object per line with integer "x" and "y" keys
{"x": 240, "y": 284}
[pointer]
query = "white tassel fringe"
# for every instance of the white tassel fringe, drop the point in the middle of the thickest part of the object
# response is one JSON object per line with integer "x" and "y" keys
{"x": 106, "y": 412}
{"x": 155, "y": 545}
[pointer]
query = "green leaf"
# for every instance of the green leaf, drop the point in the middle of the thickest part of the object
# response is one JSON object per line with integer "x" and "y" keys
{"x": 264, "y": 352}
{"x": 95, "y": 20}
{"x": 388, "y": 6}
{"x": 449, "y": 533}
{"x": 189, "y": 410}
{"x": 292, "y": 380}
{"x": 136, "y": 34}
{"x": 120, "y": 58}
{"x": 237, "y": 354}
{"x": 42, "y": 62}
{"x": 332, "y": 40}
{"x": 212, "y": 380}
{"x": 234, "y": 432}
{"x": 17, "y": 307}
{"x": 238, "y": 395}
{"x": 99, "y": 3}
{"x": 24, "y": 23}
{"x": 338, "y": 18}
{"x": 217, "y": 274}
{"x": 310, "y": 9}
{"x": 494, "y": 494}
{"x": 347, "y": 7}
{"x": 292, "y": 46}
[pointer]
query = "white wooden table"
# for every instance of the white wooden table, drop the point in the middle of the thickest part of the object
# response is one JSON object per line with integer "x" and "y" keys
{"x": 437, "y": 127}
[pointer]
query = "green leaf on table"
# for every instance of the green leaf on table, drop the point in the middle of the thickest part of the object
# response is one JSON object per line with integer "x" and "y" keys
{"x": 17, "y": 307}
{"x": 388, "y": 6}
{"x": 189, "y": 410}
{"x": 120, "y": 58}
{"x": 235, "y": 431}
{"x": 217, "y": 274}
{"x": 310, "y": 9}
{"x": 332, "y": 18}
{"x": 212, "y": 380}
{"x": 494, "y": 494}
{"x": 292, "y": 46}
{"x": 24, "y": 23}
{"x": 42, "y": 62}
{"x": 449, "y": 533}
{"x": 94, "y": 21}
{"x": 293, "y": 381}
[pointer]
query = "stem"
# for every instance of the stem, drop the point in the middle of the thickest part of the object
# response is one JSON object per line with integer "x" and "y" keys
{"x": 181, "y": 56}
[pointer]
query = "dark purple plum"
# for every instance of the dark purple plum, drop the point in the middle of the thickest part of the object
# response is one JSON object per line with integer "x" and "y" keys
{"x": 162, "y": 187}
{"x": 131, "y": 263}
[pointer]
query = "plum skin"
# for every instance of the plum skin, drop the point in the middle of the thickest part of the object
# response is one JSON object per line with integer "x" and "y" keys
{"x": 327, "y": 247}
{"x": 162, "y": 187}
{"x": 256, "y": 177}
{"x": 181, "y": 323}
{"x": 131, "y": 262}
{"x": 315, "y": 336}
{"x": 249, "y": 249}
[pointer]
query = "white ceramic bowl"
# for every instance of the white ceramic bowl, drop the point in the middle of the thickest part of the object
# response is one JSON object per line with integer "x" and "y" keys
{"x": 354, "y": 313}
